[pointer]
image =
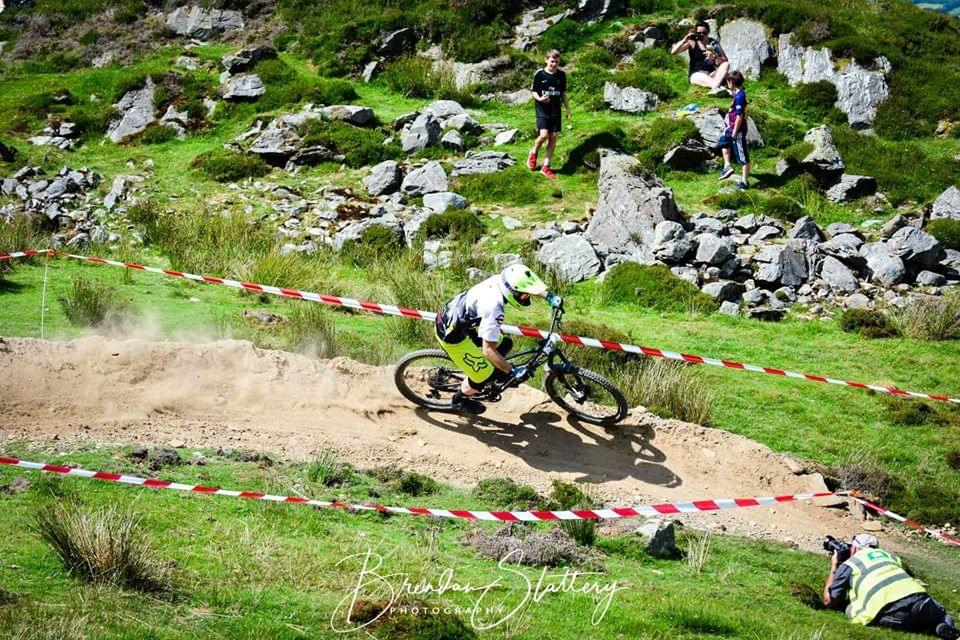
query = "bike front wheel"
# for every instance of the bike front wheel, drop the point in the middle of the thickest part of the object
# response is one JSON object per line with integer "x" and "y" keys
{"x": 428, "y": 378}
{"x": 587, "y": 395}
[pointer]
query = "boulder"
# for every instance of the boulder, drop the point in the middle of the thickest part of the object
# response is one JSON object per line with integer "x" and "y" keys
{"x": 747, "y": 223}
{"x": 859, "y": 93}
{"x": 423, "y": 132}
{"x": 136, "y": 113}
{"x": 277, "y": 144}
{"x": 838, "y": 228}
{"x": 670, "y": 242}
{"x": 444, "y": 109}
{"x": 851, "y": 187}
{"x": 724, "y": 290}
{"x": 917, "y": 248}
{"x": 478, "y": 162}
{"x": 383, "y": 178}
{"x": 462, "y": 122}
{"x": 443, "y": 200}
{"x": 351, "y": 114}
{"x": 247, "y": 58}
{"x": 689, "y": 155}
{"x": 661, "y": 539}
{"x": 728, "y": 308}
{"x": 712, "y": 125}
{"x": 466, "y": 74}
{"x": 764, "y": 233}
{"x": 314, "y": 155}
{"x": 803, "y": 65}
{"x": 572, "y": 256}
{"x": 532, "y": 26}
{"x": 370, "y": 71}
{"x": 893, "y": 225}
{"x": 930, "y": 279}
{"x": 806, "y": 229}
{"x": 824, "y": 159}
{"x": 947, "y": 205}
{"x": 844, "y": 247}
{"x": 884, "y": 268}
{"x": 838, "y": 276}
{"x": 708, "y": 224}
{"x": 506, "y": 137}
{"x": 713, "y": 250}
{"x": 452, "y": 140}
{"x": 629, "y": 99}
{"x": 597, "y": 10}
{"x": 430, "y": 178}
{"x": 246, "y": 86}
{"x": 787, "y": 265}
{"x": 197, "y": 22}
{"x": 745, "y": 43}
{"x": 397, "y": 42}
{"x": 630, "y": 205}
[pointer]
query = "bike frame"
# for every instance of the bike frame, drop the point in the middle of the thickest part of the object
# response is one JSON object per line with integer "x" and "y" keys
{"x": 546, "y": 350}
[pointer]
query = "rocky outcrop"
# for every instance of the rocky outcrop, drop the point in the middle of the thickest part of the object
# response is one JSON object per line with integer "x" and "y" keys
{"x": 397, "y": 43}
{"x": 351, "y": 114}
{"x": 572, "y": 256}
{"x": 136, "y": 113}
{"x": 383, "y": 178}
{"x": 745, "y": 43}
{"x": 851, "y": 187}
{"x": 947, "y": 205}
{"x": 629, "y": 99}
{"x": 430, "y": 178}
{"x": 246, "y": 86}
{"x": 197, "y": 22}
{"x": 631, "y": 203}
{"x": 466, "y": 74}
{"x": 532, "y": 26}
{"x": 247, "y": 58}
{"x": 824, "y": 159}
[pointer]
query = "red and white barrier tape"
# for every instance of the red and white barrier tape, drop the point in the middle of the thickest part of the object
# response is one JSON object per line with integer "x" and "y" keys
{"x": 529, "y": 332}
{"x": 24, "y": 254}
{"x": 907, "y": 521}
{"x": 667, "y": 508}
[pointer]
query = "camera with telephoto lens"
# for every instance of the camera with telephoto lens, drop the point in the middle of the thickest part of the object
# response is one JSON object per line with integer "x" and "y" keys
{"x": 831, "y": 544}
{"x": 696, "y": 36}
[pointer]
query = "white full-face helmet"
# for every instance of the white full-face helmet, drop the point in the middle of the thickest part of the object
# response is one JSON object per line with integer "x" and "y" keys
{"x": 518, "y": 283}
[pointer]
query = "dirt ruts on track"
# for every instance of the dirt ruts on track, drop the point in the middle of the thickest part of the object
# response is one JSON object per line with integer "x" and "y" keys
{"x": 231, "y": 394}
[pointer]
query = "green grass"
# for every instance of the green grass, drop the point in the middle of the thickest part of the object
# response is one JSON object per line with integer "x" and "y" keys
{"x": 243, "y": 569}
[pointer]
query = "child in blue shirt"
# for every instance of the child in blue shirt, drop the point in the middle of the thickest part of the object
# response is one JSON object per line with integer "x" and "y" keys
{"x": 733, "y": 143}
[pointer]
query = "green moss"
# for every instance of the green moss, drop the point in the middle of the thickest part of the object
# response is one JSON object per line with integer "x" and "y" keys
{"x": 654, "y": 287}
{"x": 458, "y": 224}
{"x": 225, "y": 166}
{"x": 360, "y": 146}
{"x": 947, "y": 231}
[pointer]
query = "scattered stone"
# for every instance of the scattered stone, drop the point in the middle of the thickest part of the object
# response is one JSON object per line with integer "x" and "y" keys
{"x": 572, "y": 256}
{"x": 506, "y": 137}
{"x": 351, "y": 114}
{"x": 383, "y": 178}
{"x": 136, "y": 109}
{"x": 430, "y": 178}
{"x": 445, "y": 109}
{"x": 629, "y": 99}
{"x": 661, "y": 539}
{"x": 947, "y": 205}
{"x": 480, "y": 162}
{"x": 423, "y": 132}
{"x": 851, "y": 187}
{"x": 441, "y": 201}
{"x": 203, "y": 24}
{"x": 245, "y": 86}
{"x": 247, "y": 58}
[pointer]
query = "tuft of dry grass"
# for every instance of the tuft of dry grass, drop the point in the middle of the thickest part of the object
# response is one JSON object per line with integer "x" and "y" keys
{"x": 665, "y": 388}
{"x": 105, "y": 546}
{"x": 930, "y": 318}
{"x": 698, "y": 550}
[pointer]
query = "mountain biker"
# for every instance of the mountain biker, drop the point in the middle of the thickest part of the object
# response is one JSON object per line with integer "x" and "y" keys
{"x": 468, "y": 329}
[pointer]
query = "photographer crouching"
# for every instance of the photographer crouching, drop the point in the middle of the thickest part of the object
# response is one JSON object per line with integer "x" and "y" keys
{"x": 876, "y": 590}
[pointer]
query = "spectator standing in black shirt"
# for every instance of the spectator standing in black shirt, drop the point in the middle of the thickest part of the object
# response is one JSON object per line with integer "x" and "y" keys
{"x": 708, "y": 62}
{"x": 549, "y": 91}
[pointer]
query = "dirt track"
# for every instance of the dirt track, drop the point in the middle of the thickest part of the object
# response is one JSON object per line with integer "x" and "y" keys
{"x": 231, "y": 394}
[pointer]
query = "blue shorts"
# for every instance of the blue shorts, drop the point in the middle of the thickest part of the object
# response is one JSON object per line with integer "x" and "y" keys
{"x": 737, "y": 145}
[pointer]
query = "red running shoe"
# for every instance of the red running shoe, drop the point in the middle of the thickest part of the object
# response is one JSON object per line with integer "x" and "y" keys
{"x": 532, "y": 162}
{"x": 548, "y": 172}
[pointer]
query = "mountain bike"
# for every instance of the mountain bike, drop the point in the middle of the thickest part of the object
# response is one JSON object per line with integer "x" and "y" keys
{"x": 429, "y": 379}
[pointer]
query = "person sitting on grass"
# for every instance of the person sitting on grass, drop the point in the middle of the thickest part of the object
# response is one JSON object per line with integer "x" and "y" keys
{"x": 708, "y": 62}
{"x": 733, "y": 143}
{"x": 549, "y": 90}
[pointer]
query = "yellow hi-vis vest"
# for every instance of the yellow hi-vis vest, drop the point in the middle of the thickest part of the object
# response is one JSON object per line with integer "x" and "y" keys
{"x": 877, "y": 579}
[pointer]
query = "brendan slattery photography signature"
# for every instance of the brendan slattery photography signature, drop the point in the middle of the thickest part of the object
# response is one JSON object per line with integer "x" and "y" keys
{"x": 485, "y": 610}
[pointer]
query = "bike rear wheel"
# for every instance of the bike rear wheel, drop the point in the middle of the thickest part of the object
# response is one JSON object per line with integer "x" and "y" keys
{"x": 428, "y": 378}
{"x": 587, "y": 395}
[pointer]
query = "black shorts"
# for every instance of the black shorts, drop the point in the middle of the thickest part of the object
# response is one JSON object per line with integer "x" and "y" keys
{"x": 550, "y": 123}
{"x": 737, "y": 145}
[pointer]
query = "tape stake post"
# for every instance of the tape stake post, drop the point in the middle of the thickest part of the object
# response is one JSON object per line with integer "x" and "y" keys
{"x": 529, "y": 332}
{"x": 666, "y": 508}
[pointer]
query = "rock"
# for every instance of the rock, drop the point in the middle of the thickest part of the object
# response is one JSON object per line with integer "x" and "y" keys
{"x": 893, "y": 225}
{"x": 947, "y": 205}
{"x": 247, "y": 58}
{"x": 203, "y": 24}
{"x": 572, "y": 256}
{"x": 844, "y": 247}
{"x": 354, "y": 230}
{"x": 511, "y": 223}
{"x": 506, "y": 137}
{"x": 766, "y": 314}
{"x": 430, "y": 178}
{"x": 466, "y": 74}
{"x": 709, "y": 224}
{"x": 136, "y": 113}
{"x": 764, "y": 233}
{"x": 463, "y": 122}
{"x": 531, "y": 27}
{"x": 930, "y": 279}
{"x": 793, "y": 465}
{"x": 857, "y": 301}
{"x": 824, "y": 160}
{"x": 724, "y": 291}
{"x": 670, "y": 242}
{"x": 351, "y": 114}
{"x": 443, "y": 200}
{"x": 187, "y": 63}
{"x": 747, "y": 223}
{"x": 445, "y": 109}
{"x": 915, "y": 247}
{"x": 713, "y": 250}
{"x": 423, "y": 132}
{"x": 803, "y": 65}
{"x": 884, "y": 268}
{"x": 383, "y": 178}
{"x": 712, "y": 125}
{"x": 838, "y": 276}
{"x": 745, "y": 43}
{"x": 661, "y": 539}
{"x": 314, "y": 155}
{"x": 837, "y": 228}
{"x": 787, "y": 266}
{"x": 859, "y": 93}
{"x": 245, "y": 86}
{"x": 370, "y": 71}
{"x": 521, "y": 96}
{"x": 728, "y": 308}
{"x": 278, "y": 142}
{"x": 689, "y": 155}
{"x": 851, "y": 187}
{"x": 397, "y": 42}
{"x": 118, "y": 192}
{"x": 452, "y": 140}
{"x": 629, "y": 99}
{"x": 479, "y": 162}
{"x": 630, "y": 205}
{"x": 545, "y": 235}
{"x": 806, "y": 229}
{"x": 263, "y": 317}
{"x": 434, "y": 257}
